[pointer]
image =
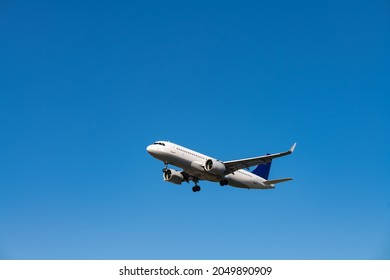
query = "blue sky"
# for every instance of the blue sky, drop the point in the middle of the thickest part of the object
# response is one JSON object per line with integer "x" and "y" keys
{"x": 86, "y": 86}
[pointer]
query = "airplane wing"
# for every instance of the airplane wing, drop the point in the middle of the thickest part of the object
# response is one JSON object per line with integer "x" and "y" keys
{"x": 235, "y": 165}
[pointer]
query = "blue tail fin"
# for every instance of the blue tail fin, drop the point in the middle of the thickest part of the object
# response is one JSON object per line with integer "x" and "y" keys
{"x": 262, "y": 170}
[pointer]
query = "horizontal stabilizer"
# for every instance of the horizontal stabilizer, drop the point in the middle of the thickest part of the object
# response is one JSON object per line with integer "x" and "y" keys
{"x": 276, "y": 181}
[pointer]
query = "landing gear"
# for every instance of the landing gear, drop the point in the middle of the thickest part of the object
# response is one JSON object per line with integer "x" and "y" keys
{"x": 165, "y": 167}
{"x": 195, "y": 188}
{"x": 223, "y": 183}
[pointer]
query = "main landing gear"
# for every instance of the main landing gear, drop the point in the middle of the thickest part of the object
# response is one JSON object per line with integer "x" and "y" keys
{"x": 195, "y": 188}
{"x": 223, "y": 183}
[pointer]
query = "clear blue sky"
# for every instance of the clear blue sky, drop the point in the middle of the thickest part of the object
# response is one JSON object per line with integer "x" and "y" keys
{"x": 85, "y": 86}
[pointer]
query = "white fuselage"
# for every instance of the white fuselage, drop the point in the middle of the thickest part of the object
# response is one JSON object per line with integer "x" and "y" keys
{"x": 193, "y": 163}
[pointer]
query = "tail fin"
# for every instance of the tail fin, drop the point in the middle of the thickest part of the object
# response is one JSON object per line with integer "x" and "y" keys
{"x": 262, "y": 170}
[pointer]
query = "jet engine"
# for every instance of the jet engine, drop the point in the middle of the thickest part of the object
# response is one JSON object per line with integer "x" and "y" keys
{"x": 173, "y": 176}
{"x": 215, "y": 167}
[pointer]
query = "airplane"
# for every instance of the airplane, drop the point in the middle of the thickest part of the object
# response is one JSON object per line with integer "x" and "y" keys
{"x": 197, "y": 166}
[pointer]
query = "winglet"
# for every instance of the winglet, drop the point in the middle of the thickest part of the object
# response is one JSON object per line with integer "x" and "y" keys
{"x": 292, "y": 148}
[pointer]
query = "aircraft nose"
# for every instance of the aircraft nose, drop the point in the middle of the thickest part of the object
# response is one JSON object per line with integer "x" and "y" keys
{"x": 152, "y": 149}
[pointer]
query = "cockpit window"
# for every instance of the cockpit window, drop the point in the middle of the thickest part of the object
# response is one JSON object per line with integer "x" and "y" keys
{"x": 159, "y": 143}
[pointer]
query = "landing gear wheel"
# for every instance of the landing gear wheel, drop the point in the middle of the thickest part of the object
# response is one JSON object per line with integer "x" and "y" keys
{"x": 195, "y": 188}
{"x": 223, "y": 183}
{"x": 165, "y": 167}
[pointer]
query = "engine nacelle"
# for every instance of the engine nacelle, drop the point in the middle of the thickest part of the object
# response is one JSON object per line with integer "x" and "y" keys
{"x": 173, "y": 176}
{"x": 215, "y": 167}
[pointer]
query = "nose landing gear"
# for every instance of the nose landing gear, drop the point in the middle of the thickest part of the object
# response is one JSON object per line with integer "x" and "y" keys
{"x": 165, "y": 166}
